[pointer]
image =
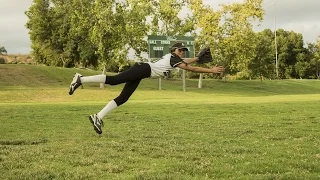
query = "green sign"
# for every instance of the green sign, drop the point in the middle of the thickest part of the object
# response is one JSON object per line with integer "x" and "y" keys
{"x": 160, "y": 45}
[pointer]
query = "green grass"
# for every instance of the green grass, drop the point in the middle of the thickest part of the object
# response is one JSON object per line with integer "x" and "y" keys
{"x": 232, "y": 130}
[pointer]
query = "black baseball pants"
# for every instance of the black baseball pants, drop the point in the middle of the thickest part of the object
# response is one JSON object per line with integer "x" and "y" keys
{"x": 132, "y": 78}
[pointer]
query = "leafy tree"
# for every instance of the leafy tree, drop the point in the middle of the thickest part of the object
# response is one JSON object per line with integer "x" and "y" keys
{"x": 229, "y": 32}
{"x": 62, "y": 44}
{"x": 137, "y": 26}
{"x": 302, "y": 66}
{"x": 82, "y": 20}
{"x": 166, "y": 20}
{"x": 115, "y": 28}
{"x": 100, "y": 33}
{"x": 40, "y": 30}
{"x": 316, "y": 59}
{"x": 314, "y": 56}
{"x": 262, "y": 64}
{"x": 3, "y": 50}
{"x": 290, "y": 51}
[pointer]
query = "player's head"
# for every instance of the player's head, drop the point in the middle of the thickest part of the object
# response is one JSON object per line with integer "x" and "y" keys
{"x": 178, "y": 48}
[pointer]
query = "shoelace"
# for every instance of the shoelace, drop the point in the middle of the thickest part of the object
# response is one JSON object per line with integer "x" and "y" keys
{"x": 100, "y": 122}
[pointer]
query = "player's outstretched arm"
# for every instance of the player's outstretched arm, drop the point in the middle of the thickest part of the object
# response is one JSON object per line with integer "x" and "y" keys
{"x": 215, "y": 69}
{"x": 190, "y": 60}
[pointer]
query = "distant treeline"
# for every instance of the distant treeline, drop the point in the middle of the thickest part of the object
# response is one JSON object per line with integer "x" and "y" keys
{"x": 100, "y": 33}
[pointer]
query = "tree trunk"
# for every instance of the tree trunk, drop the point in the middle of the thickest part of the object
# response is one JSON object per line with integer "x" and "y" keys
{"x": 63, "y": 61}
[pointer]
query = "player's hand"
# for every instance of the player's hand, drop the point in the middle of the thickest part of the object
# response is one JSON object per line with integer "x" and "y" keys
{"x": 218, "y": 69}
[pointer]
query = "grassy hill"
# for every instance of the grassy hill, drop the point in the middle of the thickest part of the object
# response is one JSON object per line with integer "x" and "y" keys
{"x": 12, "y": 75}
{"x": 31, "y": 76}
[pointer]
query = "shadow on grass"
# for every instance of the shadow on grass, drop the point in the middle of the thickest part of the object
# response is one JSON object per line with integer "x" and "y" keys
{"x": 23, "y": 142}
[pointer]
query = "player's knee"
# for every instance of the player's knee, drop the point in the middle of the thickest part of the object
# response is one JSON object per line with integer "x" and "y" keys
{"x": 111, "y": 80}
{"x": 121, "y": 100}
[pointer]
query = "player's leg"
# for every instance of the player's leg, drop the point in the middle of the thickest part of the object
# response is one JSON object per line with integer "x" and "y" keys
{"x": 78, "y": 79}
{"x": 128, "y": 89}
{"x": 136, "y": 72}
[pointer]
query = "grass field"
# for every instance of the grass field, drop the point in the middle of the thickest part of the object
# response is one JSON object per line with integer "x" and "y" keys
{"x": 226, "y": 130}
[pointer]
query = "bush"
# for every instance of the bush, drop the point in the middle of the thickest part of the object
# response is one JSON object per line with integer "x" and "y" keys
{"x": 2, "y": 60}
{"x": 13, "y": 62}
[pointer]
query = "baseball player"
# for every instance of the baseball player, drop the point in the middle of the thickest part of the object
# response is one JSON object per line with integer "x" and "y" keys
{"x": 135, "y": 74}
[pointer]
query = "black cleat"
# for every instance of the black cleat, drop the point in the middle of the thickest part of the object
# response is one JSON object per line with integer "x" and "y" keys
{"x": 96, "y": 122}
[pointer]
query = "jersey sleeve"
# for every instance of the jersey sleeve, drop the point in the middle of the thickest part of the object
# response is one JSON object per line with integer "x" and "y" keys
{"x": 175, "y": 61}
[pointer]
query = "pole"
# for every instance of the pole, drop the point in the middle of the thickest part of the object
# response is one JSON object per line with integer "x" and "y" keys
{"x": 275, "y": 39}
{"x": 184, "y": 80}
{"x": 317, "y": 69}
{"x": 159, "y": 83}
{"x": 200, "y": 80}
{"x": 103, "y": 73}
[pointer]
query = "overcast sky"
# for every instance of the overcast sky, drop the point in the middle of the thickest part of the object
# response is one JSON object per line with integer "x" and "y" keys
{"x": 301, "y": 16}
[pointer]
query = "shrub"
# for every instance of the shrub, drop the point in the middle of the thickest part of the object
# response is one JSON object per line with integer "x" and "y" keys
{"x": 2, "y": 60}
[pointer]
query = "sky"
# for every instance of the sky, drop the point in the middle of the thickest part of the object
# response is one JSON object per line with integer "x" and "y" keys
{"x": 300, "y": 16}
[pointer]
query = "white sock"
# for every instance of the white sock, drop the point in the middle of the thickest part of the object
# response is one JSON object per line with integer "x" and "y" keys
{"x": 111, "y": 105}
{"x": 97, "y": 78}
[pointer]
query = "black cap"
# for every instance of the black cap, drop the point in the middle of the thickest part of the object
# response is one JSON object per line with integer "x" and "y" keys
{"x": 179, "y": 45}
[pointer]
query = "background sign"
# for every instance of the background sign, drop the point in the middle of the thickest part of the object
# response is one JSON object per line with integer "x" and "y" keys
{"x": 160, "y": 45}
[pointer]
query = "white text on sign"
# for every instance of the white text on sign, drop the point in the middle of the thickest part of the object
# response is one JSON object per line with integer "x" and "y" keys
{"x": 158, "y": 48}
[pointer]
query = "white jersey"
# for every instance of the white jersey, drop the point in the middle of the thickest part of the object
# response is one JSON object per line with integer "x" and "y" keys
{"x": 164, "y": 65}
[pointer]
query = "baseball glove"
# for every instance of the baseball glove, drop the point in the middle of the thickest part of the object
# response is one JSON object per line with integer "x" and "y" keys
{"x": 204, "y": 56}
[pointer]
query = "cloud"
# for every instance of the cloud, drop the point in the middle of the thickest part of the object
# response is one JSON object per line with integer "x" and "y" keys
{"x": 293, "y": 15}
{"x": 301, "y": 16}
{"x": 13, "y": 33}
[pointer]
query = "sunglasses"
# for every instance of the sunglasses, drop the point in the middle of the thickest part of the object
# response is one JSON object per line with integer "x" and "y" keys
{"x": 181, "y": 50}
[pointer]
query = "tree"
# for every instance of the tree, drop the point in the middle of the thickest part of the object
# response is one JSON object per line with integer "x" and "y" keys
{"x": 166, "y": 20}
{"x": 290, "y": 51}
{"x": 101, "y": 32}
{"x": 82, "y": 20}
{"x": 40, "y": 30}
{"x": 314, "y": 56}
{"x": 137, "y": 26}
{"x": 229, "y": 32}
{"x": 316, "y": 59}
{"x": 262, "y": 64}
{"x": 3, "y": 50}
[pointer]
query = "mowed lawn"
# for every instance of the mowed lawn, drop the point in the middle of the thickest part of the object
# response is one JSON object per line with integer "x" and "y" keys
{"x": 226, "y": 130}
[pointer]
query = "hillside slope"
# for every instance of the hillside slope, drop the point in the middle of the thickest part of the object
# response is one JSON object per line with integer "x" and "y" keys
{"x": 34, "y": 76}
{"x": 31, "y": 76}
